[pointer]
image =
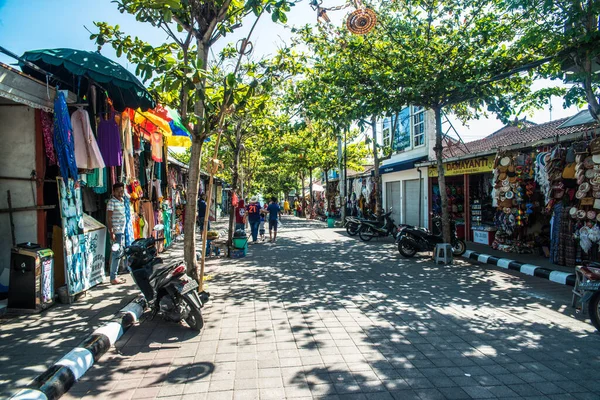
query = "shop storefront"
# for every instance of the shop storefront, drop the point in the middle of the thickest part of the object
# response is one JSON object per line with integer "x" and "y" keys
{"x": 469, "y": 190}
{"x": 569, "y": 178}
{"x": 66, "y": 157}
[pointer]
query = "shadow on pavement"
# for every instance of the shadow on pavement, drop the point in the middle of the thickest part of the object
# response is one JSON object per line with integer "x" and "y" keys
{"x": 410, "y": 326}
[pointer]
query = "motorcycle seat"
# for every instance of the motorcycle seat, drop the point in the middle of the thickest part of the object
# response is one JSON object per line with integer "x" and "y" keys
{"x": 159, "y": 268}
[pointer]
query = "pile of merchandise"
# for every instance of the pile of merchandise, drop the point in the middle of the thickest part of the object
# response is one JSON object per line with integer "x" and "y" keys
{"x": 513, "y": 195}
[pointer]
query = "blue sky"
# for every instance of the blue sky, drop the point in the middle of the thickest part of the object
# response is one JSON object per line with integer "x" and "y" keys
{"x": 39, "y": 24}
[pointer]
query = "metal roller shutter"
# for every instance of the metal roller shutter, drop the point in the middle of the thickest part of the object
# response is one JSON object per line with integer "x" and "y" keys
{"x": 412, "y": 200}
{"x": 392, "y": 199}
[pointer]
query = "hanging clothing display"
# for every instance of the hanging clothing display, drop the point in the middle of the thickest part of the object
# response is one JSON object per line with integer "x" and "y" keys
{"x": 148, "y": 214}
{"x": 48, "y": 132}
{"x": 87, "y": 153}
{"x": 109, "y": 141}
{"x": 129, "y": 235}
{"x": 157, "y": 146}
{"x": 102, "y": 182}
{"x": 63, "y": 138}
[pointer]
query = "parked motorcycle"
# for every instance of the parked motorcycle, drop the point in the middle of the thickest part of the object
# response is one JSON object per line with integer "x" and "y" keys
{"x": 411, "y": 239}
{"x": 588, "y": 292}
{"x": 352, "y": 224}
{"x": 167, "y": 288}
{"x": 369, "y": 229}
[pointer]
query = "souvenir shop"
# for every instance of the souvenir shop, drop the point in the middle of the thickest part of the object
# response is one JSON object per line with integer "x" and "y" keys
{"x": 84, "y": 146}
{"x": 521, "y": 223}
{"x": 361, "y": 194}
{"x": 129, "y": 147}
{"x": 568, "y": 175}
{"x": 469, "y": 190}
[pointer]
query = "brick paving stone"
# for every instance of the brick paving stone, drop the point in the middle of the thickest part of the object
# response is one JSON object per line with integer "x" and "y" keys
{"x": 280, "y": 325}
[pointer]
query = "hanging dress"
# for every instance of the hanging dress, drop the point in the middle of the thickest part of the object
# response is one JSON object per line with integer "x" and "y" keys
{"x": 63, "y": 138}
{"x": 109, "y": 141}
{"x": 87, "y": 153}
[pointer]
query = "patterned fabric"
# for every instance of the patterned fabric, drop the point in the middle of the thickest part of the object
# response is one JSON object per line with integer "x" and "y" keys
{"x": 48, "y": 131}
{"x": 129, "y": 235}
{"x": 63, "y": 138}
{"x": 555, "y": 233}
{"x": 118, "y": 217}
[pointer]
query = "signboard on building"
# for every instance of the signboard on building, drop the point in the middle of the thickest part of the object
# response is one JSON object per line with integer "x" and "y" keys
{"x": 461, "y": 167}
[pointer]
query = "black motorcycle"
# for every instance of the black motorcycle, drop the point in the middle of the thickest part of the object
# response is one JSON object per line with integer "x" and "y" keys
{"x": 167, "y": 287}
{"x": 382, "y": 228}
{"x": 412, "y": 240}
{"x": 352, "y": 224}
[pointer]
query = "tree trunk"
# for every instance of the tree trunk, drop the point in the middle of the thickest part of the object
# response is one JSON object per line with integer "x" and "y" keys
{"x": 441, "y": 177}
{"x": 310, "y": 194}
{"x": 327, "y": 196}
{"x": 340, "y": 187}
{"x": 303, "y": 201}
{"x": 378, "y": 207}
{"x": 189, "y": 242}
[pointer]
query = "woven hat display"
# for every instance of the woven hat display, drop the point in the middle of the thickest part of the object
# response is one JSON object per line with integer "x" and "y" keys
{"x": 362, "y": 21}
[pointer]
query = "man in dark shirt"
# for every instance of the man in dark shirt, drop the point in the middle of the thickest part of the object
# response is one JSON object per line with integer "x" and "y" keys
{"x": 202, "y": 212}
{"x": 274, "y": 211}
{"x": 254, "y": 218}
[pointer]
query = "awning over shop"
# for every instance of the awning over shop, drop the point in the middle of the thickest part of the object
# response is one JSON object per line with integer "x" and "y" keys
{"x": 400, "y": 166}
{"x": 581, "y": 118}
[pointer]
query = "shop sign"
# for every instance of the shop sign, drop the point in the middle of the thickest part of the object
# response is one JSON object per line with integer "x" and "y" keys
{"x": 470, "y": 166}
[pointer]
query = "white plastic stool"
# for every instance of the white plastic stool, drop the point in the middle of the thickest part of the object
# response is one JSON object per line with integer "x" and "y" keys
{"x": 443, "y": 253}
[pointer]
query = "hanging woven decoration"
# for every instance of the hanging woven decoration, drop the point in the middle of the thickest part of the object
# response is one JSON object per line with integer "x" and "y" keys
{"x": 361, "y": 21}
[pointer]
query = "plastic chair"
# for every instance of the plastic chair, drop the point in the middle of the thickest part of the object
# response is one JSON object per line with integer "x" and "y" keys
{"x": 443, "y": 253}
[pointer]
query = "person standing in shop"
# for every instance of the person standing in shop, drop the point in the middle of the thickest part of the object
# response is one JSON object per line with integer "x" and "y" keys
{"x": 115, "y": 223}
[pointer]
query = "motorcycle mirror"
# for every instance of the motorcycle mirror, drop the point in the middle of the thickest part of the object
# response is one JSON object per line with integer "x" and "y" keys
{"x": 159, "y": 227}
{"x": 115, "y": 247}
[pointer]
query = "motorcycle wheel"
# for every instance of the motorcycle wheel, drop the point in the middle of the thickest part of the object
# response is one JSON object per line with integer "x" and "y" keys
{"x": 594, "y": 310}
{"x": 459, "y": 247}
{"x": 407, "y": 248}
{"x": 366, "y": 234}
{"x": 194, "y": 318}
{"x": 352, "y": 229}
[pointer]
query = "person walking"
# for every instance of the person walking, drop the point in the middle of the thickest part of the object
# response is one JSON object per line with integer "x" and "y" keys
{"x": 274, "y": 211}
{"x": 202, "y": 212}
{"x": 115, "y": 223}
{"x": 253, "y": 210}
{"x": 286, "y": 207}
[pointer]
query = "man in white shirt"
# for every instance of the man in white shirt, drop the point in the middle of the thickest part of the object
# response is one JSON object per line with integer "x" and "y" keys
{"x": 115, "y": 222}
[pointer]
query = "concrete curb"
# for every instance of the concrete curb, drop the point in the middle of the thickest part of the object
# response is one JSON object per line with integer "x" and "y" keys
{"x": 563, "y": 278}
{"x": 59, "y": 378}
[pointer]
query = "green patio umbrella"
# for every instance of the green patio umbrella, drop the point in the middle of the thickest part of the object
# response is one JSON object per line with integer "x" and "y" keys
{"x": 69, "y": 65}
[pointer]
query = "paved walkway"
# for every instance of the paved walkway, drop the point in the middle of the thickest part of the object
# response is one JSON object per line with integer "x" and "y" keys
{"x": 322, "y": 315}
{"x": 29, "y": 344}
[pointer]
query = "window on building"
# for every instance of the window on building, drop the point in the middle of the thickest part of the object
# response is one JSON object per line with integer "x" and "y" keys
{"x": 387, "y": 136}
{"x": 418, "y": 126}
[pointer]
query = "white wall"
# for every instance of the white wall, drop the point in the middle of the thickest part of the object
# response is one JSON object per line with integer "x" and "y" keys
{"x": 408, "y": 175}
{"x": 17, "y": 159}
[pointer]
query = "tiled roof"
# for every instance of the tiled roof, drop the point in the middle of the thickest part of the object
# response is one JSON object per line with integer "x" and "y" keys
{"x": 512, "y": 135}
